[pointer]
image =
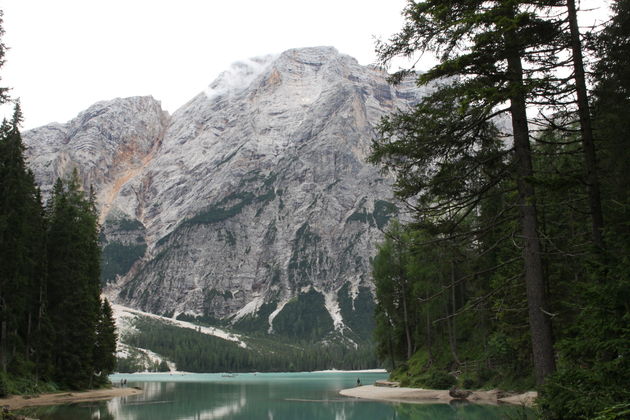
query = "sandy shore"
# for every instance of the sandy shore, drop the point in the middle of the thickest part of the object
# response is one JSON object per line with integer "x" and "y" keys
{"x": 424, "y": 396}
{"x": 20, "y": 401}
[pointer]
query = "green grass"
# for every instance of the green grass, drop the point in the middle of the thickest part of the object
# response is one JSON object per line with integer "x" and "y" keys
{"x": 24, "y": 385}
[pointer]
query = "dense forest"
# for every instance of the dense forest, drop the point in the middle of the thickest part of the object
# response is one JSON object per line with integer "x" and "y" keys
{"x": 193, "y": 351}
{"x": 514, "y": 270}
{"x": 55, "y": 331}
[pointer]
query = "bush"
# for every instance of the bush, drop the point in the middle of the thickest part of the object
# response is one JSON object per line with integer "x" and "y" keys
{"x": 484, "y": 374}
{"x": 469, "y": 383}
{"x": 575, "y": 393}
{"x": 616, "y": 412}
{"x": 440, "y": 380}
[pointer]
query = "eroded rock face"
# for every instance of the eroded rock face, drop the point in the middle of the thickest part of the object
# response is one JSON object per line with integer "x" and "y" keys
{"x": 254, "y": 195}
{"x": 109, "y": 143}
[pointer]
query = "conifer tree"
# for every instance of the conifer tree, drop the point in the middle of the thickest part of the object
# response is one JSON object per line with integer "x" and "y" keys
{"x": 483, "y": 45}
{"x": 586, "y": 128}
{"x": 21, "y": 252}
{"x": 53, "y": 325}
{"x": 105, "y": 349}
{"x": 593, "y": 356}
{"x": 73, "y": 275}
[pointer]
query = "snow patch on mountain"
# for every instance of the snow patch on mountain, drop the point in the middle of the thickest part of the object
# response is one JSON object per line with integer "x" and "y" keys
{"x": 124, "y": 317}
{"x": 332, "y": 306}
{"x": 250, "y": 309}
{"x": 148, "y": 358}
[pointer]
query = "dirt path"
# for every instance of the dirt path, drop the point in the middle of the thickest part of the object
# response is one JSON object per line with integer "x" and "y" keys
{"x": 20, "y": 401}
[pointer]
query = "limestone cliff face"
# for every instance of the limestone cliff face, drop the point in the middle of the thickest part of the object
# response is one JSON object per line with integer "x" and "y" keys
{"x": 109, "y": 143}
{"x": 253, "y": 202}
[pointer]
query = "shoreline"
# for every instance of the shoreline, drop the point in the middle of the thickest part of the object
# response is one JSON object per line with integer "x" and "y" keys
{"x": 350, "y": 371}
{"x": 16, "y": 402}
{"x": 439, "y": 396}
{"x": 181, "y": 372}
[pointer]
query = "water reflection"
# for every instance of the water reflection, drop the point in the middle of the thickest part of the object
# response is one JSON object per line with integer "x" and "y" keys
{"x": 462, "y": 410}
{"x": 224, "y": 411}
{"x": 271, "y": 396}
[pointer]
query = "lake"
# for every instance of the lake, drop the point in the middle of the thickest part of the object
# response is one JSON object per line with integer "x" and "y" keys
{"x": 272, "y": 396}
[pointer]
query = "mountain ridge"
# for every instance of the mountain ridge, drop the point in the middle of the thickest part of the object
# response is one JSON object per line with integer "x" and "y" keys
{"x": 250, "y": 197}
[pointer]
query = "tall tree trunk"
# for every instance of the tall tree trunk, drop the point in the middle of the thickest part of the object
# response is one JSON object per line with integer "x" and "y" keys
{"x": 3, "y": 345}
{"x": 403, "y": 290}
{"x": 391, "y": 351}
{"x": 539, "y": 321}
{"x": 428, "y": 326}
{"x": 450, "y": 321}
{"x": 586, "y": 129}
{"x": 406, "y": 321}
{"x": 29, "y": 328}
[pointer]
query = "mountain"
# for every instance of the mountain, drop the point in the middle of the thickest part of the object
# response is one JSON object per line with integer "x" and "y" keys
{"x": 252, "y": 204}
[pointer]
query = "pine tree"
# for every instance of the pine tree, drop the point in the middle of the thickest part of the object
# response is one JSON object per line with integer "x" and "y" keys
{"x": 496, "y": 60}
{"x": 586, "y": 128}
{"x": 21, "y": 252}
{"x": 4, "y": 91}
{"x": 593, "y": 355}
{"x": 73, "y": 276}
{"x": 52, "y": 322}
{"x": 483, "y": 45}
{"x": 105, "y": 349}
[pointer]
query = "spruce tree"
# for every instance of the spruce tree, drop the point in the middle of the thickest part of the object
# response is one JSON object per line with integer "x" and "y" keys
{"x": 105, "y": 349}
{"x": 593, "y": 354}
{"x": 73, "y": 276}
{"x": 21, "y": 251}
{"x": 53, "y": 325}
{"x": 586, "y": 128}
{"x": 483, "y": 46}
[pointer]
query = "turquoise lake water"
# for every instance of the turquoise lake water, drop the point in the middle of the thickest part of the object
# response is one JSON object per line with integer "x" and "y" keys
{"x": 269, "y": 396}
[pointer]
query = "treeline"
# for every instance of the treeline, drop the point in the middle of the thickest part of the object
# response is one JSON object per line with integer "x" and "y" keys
{"x": 515, "y": 269}
{"x": 54, "y": 329}
{"x": 54, "y": 326}
{"x": 193, "y": 351}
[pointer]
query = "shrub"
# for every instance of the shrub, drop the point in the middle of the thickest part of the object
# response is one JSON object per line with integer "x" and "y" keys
{"x": 440, "y": 380}
{"x": 469, "y": 383}
{"x": 484, "y": 375}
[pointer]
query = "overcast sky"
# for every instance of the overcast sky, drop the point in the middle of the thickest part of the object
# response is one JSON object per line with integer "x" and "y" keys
{"x": 66, "y": 55}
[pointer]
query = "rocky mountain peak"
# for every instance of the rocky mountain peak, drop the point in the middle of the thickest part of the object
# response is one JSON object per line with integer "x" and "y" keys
{"x": 252, "y": 203}
{"x": 103, "y": 142}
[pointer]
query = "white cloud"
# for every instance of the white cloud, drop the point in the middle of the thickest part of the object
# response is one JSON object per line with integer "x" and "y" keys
{"x": 67, "y": 54}
{"x": 239, "y": 76}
